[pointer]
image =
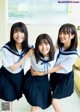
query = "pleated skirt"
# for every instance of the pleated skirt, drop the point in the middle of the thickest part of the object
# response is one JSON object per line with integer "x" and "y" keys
{"x": 62, "y": 85}
{"x": 10, "y": 85}
{"x": 37, "y": 90}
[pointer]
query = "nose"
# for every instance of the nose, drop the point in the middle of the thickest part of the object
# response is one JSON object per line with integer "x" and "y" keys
{"x": 43, "y": 46}
{"x": 19, "y": 33}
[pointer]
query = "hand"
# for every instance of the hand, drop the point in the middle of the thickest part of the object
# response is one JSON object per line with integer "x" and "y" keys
{"x": 36, "y": 73}
{"x": 55, "y": 49}
{"x": 29, "y": 53}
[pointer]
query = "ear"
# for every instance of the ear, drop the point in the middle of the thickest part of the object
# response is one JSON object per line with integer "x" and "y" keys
{"x": 72, "y": 36}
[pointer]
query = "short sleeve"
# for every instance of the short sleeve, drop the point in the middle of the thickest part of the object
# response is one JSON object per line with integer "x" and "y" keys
{"x": 31, "y": 46}
{"x": 67, "y": 64}
{"x": 7, "y": 58}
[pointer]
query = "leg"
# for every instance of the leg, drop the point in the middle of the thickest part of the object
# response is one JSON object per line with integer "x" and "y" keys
{"x": 35, "y": 109}
{"x": 56, "y": 105}
{"x": 11, "y": 106}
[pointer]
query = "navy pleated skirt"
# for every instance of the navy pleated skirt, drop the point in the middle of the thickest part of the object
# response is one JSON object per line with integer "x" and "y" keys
{"x": 10, "y": 85}
{"x": 62, "y": 85}
{"x": 37, "y": 90}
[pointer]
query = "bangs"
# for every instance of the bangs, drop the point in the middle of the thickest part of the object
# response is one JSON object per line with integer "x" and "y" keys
{"x": 65, "y": 29}
{"x": 19, "y": 29}
{"x": 43, "y": 41}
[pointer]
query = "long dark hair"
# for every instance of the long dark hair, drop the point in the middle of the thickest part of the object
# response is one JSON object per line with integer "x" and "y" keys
{"x": 19, "y": 26}
{"x": 44, "y": 37}
{"x": 68, "y": 28}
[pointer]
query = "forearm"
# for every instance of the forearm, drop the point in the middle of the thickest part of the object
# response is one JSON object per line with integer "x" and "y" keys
{"x": 55, "y": 69}
{"x": 18, "y": 64}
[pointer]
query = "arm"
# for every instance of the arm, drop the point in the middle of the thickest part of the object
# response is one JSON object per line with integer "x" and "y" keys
{"x": 8, "y": 60}
{"x": 18, "y": 64}
{"x": 58, "y": 67}
{"x": 37, "y": 73}
{"x": 66, "y": 66}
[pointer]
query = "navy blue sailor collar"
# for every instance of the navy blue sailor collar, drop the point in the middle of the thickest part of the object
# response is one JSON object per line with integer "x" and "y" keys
{"x": 12, "y": 51}
{"x": 45, "y": 61}
{"x": 68, "y": 52}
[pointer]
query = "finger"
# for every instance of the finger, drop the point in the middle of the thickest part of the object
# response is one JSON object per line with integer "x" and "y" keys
{"x": 30, "y": 67}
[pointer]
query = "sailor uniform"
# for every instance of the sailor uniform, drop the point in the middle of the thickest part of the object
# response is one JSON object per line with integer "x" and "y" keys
{"x": 37, "y": 88}
{"x": 11, "y": 81}
{"x": 62, "y": 81}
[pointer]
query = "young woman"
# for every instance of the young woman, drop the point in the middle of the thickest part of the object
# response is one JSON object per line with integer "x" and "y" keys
{"x": 62, "y": 77}
{"x": 11, "y": 73}
{"x": 37, "y": 88}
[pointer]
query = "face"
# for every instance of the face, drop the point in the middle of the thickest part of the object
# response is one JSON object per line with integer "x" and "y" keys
{"x": 18, "y": 36}
{"x": 44, "y": 48}
{"x": 65, "y": 38}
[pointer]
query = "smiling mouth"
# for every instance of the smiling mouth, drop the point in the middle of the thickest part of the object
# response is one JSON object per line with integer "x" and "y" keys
{"x": 19, "y": 38}
{"x": 44, "y": 51}
{"x": 62, "y": 39}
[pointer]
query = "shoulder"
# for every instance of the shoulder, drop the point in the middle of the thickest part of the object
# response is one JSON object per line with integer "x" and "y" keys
{"x": 8, "y": 44}
{"x": 6, "y": 49}
{"x": 30, "y": 46}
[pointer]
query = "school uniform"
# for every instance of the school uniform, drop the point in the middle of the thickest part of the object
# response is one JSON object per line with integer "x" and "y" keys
{"x": 62, "y": 81}
{"x": 37, "y": 88}
{"x": 11, "y": 81}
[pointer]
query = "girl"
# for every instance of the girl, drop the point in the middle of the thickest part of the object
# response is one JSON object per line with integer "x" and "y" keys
{"x": 62, "y": 77}
{"x": 11, "y": 73}
{"x": 37, "y": 88}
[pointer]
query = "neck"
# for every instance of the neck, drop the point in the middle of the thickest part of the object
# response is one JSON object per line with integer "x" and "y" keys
{"x": 46, "y": 55}
{"x": 67, "y": 45}
{"x": 18, "y": 46}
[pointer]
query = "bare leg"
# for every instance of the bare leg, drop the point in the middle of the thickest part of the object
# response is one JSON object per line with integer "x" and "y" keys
{"x": 11, "y": 106}
{"x": 56, "y": 105}
{"x": 35, "y": 109}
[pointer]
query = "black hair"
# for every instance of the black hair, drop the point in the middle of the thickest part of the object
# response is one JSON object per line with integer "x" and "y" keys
{"x": 19, "y": 26}
{"x": 44, "y": 37}
{"x": 68, "y": 28}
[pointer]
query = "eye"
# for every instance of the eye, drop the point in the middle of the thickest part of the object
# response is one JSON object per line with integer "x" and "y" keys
{"x": 65, "y": 33}
{"x": 21, "y": 31}
{"x": 40, "y": 43}
{"x": 15, "y": 31}
{"x": 46, "y": 42}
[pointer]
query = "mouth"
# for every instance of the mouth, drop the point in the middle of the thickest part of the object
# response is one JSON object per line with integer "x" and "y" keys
{"x": 44, "y": 50}
{"x": 19, "y": 38}
{"x": 62, "y": 39}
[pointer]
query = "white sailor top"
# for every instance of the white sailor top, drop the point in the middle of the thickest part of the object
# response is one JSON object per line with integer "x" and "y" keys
{"x": 43, "y": 64}
{"x": 66, "y": 59}
{"x": 10, "y": 57}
